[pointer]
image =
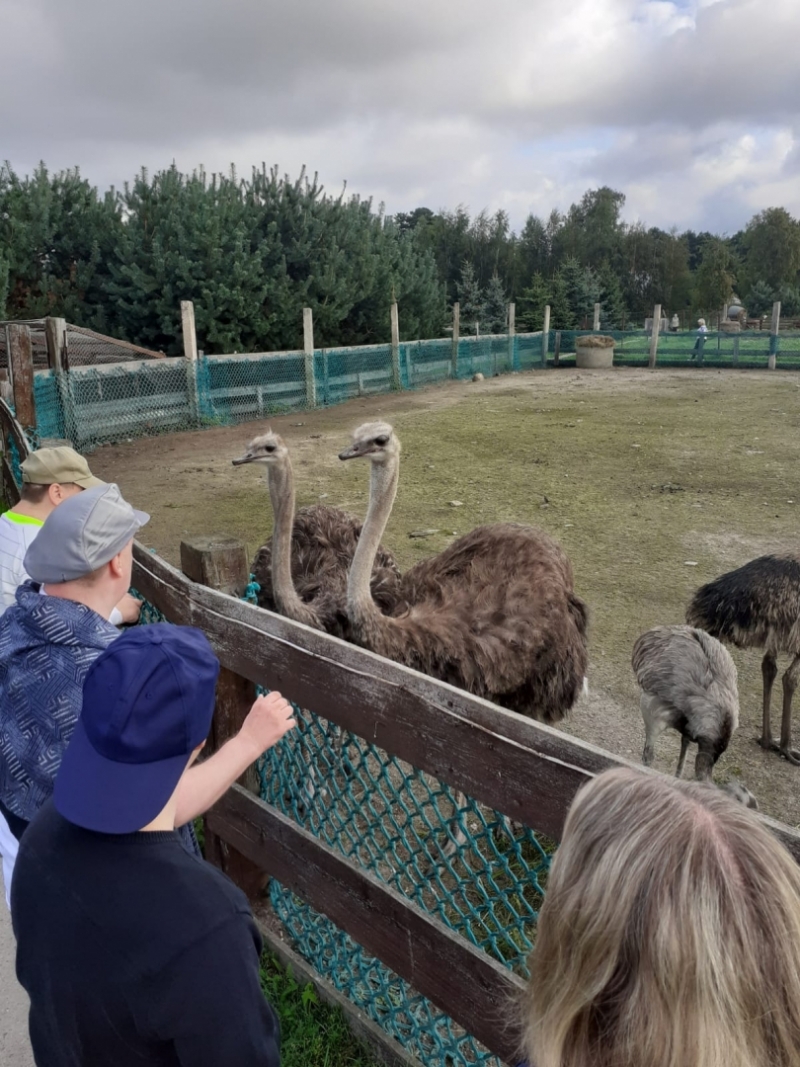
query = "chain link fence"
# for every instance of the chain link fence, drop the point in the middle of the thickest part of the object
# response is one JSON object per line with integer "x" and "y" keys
{"x": 110, "y": 391}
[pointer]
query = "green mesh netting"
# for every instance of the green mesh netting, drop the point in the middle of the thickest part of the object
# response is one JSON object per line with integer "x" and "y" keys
{"x": 95, "y": 404}
{"x": 448, "y": 854}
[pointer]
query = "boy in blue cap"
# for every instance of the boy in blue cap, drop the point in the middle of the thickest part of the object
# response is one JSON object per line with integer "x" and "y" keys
{"x": 132, "y": 950}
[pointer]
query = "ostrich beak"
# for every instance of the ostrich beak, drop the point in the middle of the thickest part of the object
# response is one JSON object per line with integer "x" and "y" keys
{"x": 246, "y": 458}
{"x": 354, "y": 451}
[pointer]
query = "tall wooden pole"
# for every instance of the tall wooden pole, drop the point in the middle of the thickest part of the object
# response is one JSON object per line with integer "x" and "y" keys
{"x": 654, "y": 335}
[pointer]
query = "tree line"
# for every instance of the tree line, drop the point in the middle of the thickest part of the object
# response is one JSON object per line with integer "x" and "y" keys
{"x": 252, "y": 252}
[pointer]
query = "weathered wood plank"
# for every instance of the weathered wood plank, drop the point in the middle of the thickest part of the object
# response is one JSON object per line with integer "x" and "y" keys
{"x": 522, "y": 768}
{"x": 463, "y": 981}
{"x": 20, "y": 362}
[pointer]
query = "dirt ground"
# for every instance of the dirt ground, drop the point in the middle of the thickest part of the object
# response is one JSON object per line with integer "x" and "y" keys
{"x": 654, "y": 482}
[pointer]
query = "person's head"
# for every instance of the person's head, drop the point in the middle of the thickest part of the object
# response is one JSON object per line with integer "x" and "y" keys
{"x": 84, "y": 549}
{"x": 52, "y": 475}
{"x": 669, "y": 934}
{"x": 148, "y": 701}
{"x": 701, "y": 322}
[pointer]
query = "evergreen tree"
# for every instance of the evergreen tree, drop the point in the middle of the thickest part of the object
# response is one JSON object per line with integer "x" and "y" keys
{"x": 759, "y": 299}
{"x": 612, "y": 309}
{"x": 561, "y": 315}
{"x": 471, "y": 299}
{"x": 495, "y": 310}
{"x": 531, "y": 305}
{"x": 714, "y": 280}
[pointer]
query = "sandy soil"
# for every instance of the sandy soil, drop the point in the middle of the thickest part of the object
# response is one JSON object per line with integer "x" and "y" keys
{"x": 654, "y": 482}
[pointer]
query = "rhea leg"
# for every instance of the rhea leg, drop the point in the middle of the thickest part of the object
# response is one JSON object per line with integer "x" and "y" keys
{"x": 682, "y": 757}
{"x": 704, "y": 761}
{"x": 654, "y": 725}
{"x": 769, "y": 672}
{"x": 790, "y": 680}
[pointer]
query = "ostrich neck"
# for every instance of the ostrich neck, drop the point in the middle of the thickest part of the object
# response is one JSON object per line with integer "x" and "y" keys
{"x": 281, "y": 491}
{"x": 383, "y": 480}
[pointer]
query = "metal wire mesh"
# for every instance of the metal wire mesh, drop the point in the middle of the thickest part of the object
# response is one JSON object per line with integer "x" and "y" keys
{"x": 399, "y": 823}
{"x": 750, "y": 349}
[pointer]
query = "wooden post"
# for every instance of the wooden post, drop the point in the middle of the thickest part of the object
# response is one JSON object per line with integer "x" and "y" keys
{"x": 557, "y": 349}
{"x": 545, "y": 335}
{"x": 308, "y": 357}
{"x": 190, "y": 355}
{"x": 513, "y": 362}
{"x": 456, "y": 338}
{"x": 774, "y": 330}
{"x": 20, "y": 363}
{"x": 55, "y": 332}
{"x": 654, "y": 335}
{"x": 396, "y": 381}
{"x": 596, "y": 320}
{"x": 222, "y": 564}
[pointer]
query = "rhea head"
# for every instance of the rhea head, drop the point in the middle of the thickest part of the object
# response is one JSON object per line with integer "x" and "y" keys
{"x": 375, "y": 440}
{"x": 268, "y": 448}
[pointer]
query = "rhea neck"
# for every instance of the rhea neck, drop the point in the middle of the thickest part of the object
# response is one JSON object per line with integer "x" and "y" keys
{"x": 280, "y": 482}
{"x": 383, "y": 477}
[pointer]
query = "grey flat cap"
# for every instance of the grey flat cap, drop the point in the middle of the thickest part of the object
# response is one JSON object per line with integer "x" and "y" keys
{"x": 82, "y": 534}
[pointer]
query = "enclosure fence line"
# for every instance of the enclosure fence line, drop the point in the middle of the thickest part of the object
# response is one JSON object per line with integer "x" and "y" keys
{"x": 75, "y": 385}
{"x": 379, "y": 824}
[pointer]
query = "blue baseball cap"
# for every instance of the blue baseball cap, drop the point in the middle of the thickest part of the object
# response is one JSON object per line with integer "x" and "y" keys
{"x": 148, "y": 701}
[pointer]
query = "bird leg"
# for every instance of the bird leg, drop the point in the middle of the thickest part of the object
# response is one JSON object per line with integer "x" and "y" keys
{"x": 682, "y": 757}
{"x": 704, "y": 762}
{"x": 653, "y": 726}
{"x": 769, "y": 672}
{"x": 790, "y": 680}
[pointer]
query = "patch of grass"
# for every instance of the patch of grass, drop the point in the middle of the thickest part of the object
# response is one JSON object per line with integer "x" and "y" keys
{"x": 312, "y": 1033}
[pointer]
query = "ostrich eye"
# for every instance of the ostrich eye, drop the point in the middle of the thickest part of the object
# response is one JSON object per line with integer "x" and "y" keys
{"x": 269, "y": 448}
{"x": 382, "y": 440}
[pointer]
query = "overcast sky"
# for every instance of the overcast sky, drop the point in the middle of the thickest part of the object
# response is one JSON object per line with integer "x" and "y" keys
{"x": 691, "y": 107}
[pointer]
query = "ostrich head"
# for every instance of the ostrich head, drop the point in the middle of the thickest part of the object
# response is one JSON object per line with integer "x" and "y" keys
{"x": 376, "y": 440}
{"x": 741, "y": 793}
{"x": 268, "y": 448}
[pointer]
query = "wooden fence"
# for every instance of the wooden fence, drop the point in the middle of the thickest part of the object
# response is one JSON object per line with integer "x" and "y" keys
{"x": 515, "y": 766}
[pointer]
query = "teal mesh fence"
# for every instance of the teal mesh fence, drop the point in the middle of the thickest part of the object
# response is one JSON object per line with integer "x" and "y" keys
{"x": 92, "y": 405}
{"x": 451, "y": 856}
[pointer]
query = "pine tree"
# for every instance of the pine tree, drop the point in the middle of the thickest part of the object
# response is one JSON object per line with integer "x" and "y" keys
{"x": 531, "y": 305}
{"x": 612, "y": 310}
{"x": 495, "y": 307}
{"x": 561, "y": 316}
{"x": 471, "y": 299}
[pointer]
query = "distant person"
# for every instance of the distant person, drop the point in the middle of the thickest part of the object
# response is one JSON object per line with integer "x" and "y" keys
{"x": 674, "y": 323}
{"x": 132, "y": 951}
{"x": 49, "y": 477}
{"x": 698, "y": 345}
{"x": 669, "y": 934}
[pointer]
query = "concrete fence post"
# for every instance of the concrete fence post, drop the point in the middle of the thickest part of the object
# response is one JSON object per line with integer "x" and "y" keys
{"x": 456, "y": 339}
{"x": 774, "y": 331}
{"x": 190, "y": 355}
{"x": 654, "y": 335}
{"x": 396, "y": 380}
{"x": 545, "y": 335}
{"x": 308, "y": 358}
{"x": 513, "y": 362}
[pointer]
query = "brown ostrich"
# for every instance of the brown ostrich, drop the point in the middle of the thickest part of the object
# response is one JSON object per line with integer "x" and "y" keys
{"x": 303, "y": 570}
{"x": 495, "y": 613}
{"x": 758, "y": 606}
{"x": 689, "y": 683}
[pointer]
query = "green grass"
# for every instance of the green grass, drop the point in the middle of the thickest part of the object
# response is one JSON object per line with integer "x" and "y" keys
{"x": 312, "y": 1033}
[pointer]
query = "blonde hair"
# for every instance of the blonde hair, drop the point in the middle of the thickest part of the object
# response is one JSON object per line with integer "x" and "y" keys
{"x": 669, "y": 935}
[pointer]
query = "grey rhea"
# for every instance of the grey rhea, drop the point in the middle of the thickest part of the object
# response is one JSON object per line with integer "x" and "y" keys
{"x": 689, "y": 684}
{"x": 758, "y": 606}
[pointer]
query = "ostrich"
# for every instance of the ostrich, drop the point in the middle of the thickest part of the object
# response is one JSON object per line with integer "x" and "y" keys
{"x": 495, "y": 613}
{"x": 688, "y": 682}
{"x": 758, "y": 606}
{"x": 303, "y": 571}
